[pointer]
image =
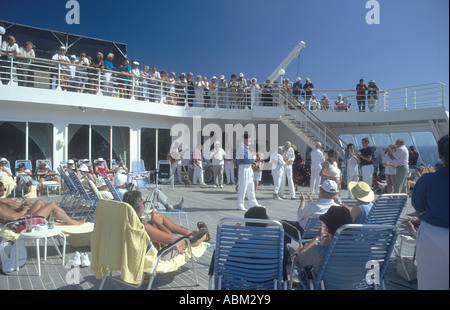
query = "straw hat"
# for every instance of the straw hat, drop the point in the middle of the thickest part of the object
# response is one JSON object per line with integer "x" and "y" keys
{"x": 361, "y": 190}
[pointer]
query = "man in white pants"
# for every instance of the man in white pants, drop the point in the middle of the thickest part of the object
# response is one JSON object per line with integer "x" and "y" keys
{"x": 277, "y": 171}
{"x": 317, "y": 159}
{"x": 245, "y": 183}
{"x": 366, "y": 158}
{"x": 229, "y": 164}
{"x": 289, "y": 157}
{"x": 175, "y": 159}
{"x": 197, "y": 160}
{"x": 401, "y": 159}
{"x": 218, "y": 155}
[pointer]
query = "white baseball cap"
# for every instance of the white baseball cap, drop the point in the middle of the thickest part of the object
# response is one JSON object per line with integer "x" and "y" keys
{"x": 330, "y": 186}
{"x": 120, "y": 179}
{"x": 241, "y": 74}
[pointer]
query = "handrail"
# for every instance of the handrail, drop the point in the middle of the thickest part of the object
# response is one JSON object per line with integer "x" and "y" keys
{"x": 48, "y": 73}
{"x": 292, "y": 103}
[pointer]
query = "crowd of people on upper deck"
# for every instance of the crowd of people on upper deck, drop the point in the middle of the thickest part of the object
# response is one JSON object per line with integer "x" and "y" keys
{"x": 83, "y": 73}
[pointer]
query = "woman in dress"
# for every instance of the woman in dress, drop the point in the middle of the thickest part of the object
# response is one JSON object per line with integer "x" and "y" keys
{"x": 351, "y": 162}
{"x": 301, "y": 173}
{"x": 331, "y": 171}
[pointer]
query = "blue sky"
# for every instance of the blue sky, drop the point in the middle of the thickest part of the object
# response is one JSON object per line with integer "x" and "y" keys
{"x": 410, "y": 46}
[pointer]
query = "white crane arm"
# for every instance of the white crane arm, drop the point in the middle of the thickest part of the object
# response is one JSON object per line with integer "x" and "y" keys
{"x": 293, "y": 54}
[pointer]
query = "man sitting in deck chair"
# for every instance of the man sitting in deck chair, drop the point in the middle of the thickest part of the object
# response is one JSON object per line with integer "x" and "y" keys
{"x": 12, "y": 210}
{"x": 158, "y": 200}
{"x": 161, "y": 229}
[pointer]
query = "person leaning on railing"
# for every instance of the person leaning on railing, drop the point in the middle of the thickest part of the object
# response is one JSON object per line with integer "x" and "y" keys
{"x": 27, "y": 73}
{"x": 97, "y": 63}
{"x": 372, "y": 95}
{"x": 9, "y": 48}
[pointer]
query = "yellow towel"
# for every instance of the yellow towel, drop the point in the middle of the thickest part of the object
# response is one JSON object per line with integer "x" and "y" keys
{"x": 9, "y": 184}
{"x": 119, "y": 241}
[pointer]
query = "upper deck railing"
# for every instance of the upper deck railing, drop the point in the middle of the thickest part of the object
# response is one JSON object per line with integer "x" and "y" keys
{"x": 50, "y": 74}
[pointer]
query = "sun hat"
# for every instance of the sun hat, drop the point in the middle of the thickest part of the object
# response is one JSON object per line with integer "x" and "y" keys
{"x": 120, "y": 179}
{"x": 100, "y": 159}
{"x": 222, "y": 77}
{"x": 3, "y": 160}
{"x": 84, "y": 168}
{"x": 70, "y": 161}
{"x": 330, "y": 186}
{"x": 241, "y": 74}
{"x": 361, "y": 190}
{"x": 335, "y": 217}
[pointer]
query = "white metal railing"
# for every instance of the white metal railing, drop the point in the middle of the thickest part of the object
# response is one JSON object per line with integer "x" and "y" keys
{"x": 309, "y": 123}
{"x": 50, "y": 74}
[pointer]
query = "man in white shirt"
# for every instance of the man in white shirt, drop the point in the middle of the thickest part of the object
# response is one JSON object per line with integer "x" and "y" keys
{"x": 175, "y": 160}
{"x": 278, "y": 164}
{"x": 328, "y": 191}
{"x": 289, "y": 157}
{"x": 229, "y": 164}
{"x": 10, "y": 48}
{"x": 218, "y": 156}
{"x": 400, "y": 158}
{"x": 244, "y": 159}
{"x": 317, "y": 159}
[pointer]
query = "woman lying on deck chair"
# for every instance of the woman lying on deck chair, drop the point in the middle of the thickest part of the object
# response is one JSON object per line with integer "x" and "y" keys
{"x": 12, "y": 210}
{"x": 161, "y": 229}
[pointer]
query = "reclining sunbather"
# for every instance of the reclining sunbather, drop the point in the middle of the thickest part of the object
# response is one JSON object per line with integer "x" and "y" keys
{"x": 161, "y": 229}
{"x": 12, "y": 210}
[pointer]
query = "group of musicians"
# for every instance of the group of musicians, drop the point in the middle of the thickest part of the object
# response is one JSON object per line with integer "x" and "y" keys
{"x": 226, "y": 160}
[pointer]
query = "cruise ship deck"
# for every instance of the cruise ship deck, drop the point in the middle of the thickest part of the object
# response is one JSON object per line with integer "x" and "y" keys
{"x": 202, "y": 203}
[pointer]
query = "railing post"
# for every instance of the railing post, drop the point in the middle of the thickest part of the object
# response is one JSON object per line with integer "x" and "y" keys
{"x": 406, "y": 98}
{"x": 98, "y": 84}
{"x": 443, "y": 95}
{"x": 11, "y": 72}
{"x": 132, "y": 87}
{"x": 415, "y": 100}
{"x": 58, "y": 87}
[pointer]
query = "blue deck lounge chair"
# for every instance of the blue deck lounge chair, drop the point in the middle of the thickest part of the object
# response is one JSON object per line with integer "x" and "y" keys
{"x": 248, "y": 257}
{"x": 387, "y": 209}
{"x": 356, "y": 259}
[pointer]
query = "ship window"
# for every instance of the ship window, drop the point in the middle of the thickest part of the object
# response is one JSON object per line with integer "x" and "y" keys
{"x": 358, "y": 139}
{"x": 12, "y": 142}
{"x": 381, "y": 140}
{"x": 164, "y": 142}
{"x": 78, "y": 142}
{"x": 40, "y": 142}
{"x": 426, "y": 146}
{"x": 121, "y": 144}
{"x": 348, "y": 139}
{"x": 148, "y": 148}
{"x": 100, "y": 143}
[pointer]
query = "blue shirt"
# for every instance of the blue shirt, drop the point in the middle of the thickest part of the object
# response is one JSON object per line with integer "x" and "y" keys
{"x": 430, "y": 194}
{"x": 109, "y": 65}
{"x": 365, "y": 209}
{"x": 368, "y": 151}
{"x": 248, "y": 158}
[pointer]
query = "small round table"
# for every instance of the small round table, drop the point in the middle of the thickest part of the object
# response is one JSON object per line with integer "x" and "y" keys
{"x": 43, "y": 234}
